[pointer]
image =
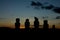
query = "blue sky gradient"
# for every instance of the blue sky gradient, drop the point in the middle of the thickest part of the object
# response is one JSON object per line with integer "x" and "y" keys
{"x": 11, "y": 9}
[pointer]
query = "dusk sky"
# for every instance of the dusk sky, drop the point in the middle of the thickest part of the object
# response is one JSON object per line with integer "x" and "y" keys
{"x": 12, "y": 9}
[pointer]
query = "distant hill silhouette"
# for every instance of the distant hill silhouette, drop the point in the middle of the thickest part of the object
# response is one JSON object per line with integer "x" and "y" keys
{"x": 28, "y": 29}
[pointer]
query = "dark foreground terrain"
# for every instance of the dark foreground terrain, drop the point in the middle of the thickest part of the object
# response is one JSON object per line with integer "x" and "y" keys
{"x": 5, "y": 29}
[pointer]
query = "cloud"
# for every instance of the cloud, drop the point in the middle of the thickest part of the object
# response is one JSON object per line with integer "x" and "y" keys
{"x": 49, "y": 7}
{"x": 38, "y": 5}
{"x": 57, "y": 10}
{"x": 58, "y": 17}
{"x": 33, "y": 3}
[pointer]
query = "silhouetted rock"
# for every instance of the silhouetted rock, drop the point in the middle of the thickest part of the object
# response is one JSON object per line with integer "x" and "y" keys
{"x": 53, "y": 27}
{"x": 45, "y": 25}
{"x": 17, "y": 24}
{"x": 27, "y": 24}
{"x": 36, "y": 23}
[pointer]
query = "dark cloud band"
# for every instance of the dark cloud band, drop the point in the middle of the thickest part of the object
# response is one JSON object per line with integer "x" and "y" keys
{"x": 36, "y": 5}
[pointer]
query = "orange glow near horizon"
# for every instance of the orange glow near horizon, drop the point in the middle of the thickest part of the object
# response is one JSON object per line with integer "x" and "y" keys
{"x": 11, "y": 23}
{"x": 22, "y": 26}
